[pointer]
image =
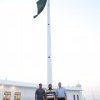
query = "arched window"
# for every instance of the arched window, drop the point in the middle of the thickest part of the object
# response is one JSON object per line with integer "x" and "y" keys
{"x": 17, "y": 96}
{"x": 7, "y": 95}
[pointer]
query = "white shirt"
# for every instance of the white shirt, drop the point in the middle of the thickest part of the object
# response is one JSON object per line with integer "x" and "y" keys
{"x": 60, "y": 92}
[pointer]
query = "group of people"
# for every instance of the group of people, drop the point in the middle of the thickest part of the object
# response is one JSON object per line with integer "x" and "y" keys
{"x": 50, "y": 93}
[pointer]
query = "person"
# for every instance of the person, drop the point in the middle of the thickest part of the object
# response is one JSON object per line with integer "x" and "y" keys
{"x": 60, "y": 92}
{"x": 50, "y": 93}
{"x": 40, "y": 93}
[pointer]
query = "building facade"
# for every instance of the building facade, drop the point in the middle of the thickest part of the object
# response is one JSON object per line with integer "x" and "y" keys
{"x": 10, "y": 90}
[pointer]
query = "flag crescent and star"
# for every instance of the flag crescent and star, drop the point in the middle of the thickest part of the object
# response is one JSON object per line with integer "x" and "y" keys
{"x": 40, "y": 6}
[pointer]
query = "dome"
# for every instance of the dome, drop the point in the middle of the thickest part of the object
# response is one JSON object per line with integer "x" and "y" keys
{"x": 78, "y": 85}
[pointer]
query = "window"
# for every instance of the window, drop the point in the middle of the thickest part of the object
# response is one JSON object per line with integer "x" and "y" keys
{"x": 77, "y": 97}
{"x": 73, "y": 97}
{"x": 7, "y": 95}
{"x": 17, "y": 96}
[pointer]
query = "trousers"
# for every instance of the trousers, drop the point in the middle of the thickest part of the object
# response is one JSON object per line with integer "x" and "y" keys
{"x": 60, "y": 98}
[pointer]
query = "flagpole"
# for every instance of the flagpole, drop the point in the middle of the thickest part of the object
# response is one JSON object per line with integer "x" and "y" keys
{"x": 49, "y": 57}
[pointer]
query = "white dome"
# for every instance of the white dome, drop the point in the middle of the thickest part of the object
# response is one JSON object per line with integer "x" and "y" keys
{"x": 78, "y": 85}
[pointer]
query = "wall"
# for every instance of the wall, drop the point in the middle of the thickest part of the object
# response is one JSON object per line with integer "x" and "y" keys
{"x": 28, "y": 93}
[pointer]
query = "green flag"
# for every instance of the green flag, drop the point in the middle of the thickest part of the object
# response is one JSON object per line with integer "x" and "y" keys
{"x": 40, "y": 6}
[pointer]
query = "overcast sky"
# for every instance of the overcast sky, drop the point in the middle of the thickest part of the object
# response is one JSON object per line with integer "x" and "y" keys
{"x": 75, "y": 33}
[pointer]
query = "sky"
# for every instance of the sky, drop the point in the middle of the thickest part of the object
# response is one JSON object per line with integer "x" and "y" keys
{"x": 75, "y": 42}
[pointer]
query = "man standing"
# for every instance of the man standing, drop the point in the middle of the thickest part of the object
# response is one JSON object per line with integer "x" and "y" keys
{"x": 50, "y": 93}
{"x": 60, "y": 92}
{"x": 40, "y": 93}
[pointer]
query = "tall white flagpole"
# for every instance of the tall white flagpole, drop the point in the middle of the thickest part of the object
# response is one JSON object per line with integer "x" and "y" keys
{"x": 49, "y": 57}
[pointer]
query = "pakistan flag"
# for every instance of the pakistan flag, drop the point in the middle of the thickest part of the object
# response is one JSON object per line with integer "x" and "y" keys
{"x": 40, "y": 6}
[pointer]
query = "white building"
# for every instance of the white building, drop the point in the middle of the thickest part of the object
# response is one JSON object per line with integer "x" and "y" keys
{"x": 26, "y": 91}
